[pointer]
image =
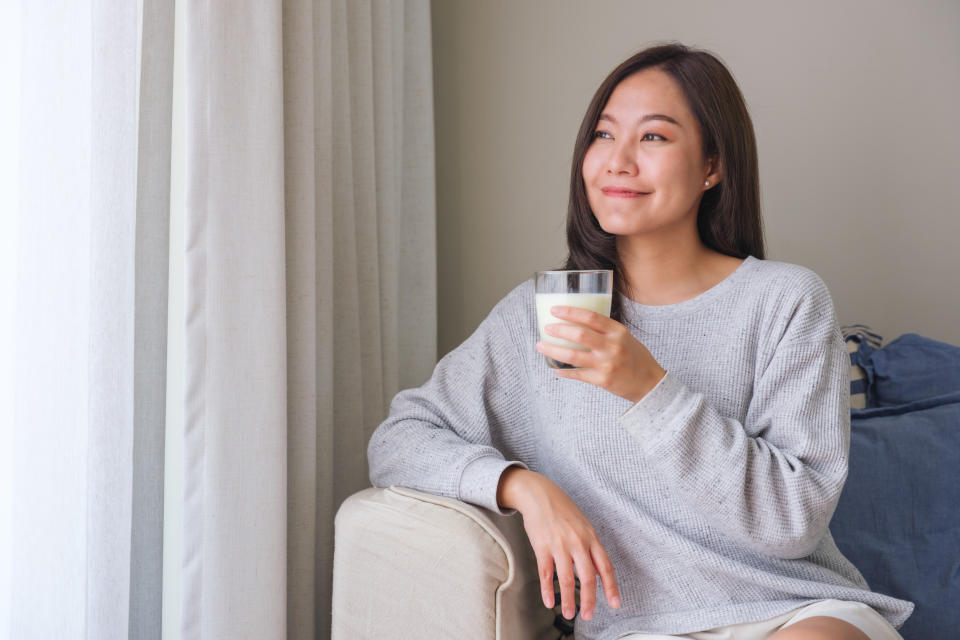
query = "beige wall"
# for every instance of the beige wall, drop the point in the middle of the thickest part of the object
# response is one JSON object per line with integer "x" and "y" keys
{"x": 855, "y": 107}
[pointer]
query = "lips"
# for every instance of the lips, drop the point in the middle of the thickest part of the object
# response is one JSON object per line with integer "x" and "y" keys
{"x": 620, "y": 192}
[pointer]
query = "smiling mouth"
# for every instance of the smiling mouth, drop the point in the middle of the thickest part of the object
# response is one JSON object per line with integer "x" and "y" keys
{"x": 623, "y": 194}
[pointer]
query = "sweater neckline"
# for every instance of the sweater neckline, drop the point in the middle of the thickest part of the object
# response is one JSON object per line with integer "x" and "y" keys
{"x": 634, "y": 309}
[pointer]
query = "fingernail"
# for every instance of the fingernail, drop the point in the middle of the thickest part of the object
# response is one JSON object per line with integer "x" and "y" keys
{"x": 615, "y": 602}
{"x": 586, "y": 615}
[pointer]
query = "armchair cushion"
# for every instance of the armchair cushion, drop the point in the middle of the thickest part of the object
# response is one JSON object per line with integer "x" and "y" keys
{"x": 444, "y": 569}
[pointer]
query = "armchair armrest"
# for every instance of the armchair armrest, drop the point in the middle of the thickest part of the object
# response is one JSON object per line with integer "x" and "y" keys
{"x": 412, "y": 564}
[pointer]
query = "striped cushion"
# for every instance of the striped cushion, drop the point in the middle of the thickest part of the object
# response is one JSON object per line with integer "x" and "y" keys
{"x": 855, "y": 336}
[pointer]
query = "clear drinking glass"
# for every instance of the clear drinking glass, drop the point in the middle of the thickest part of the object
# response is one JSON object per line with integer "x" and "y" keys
{"x": 592, "y": 289}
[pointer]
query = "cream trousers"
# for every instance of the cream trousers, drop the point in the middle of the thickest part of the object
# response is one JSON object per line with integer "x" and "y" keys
{"x": 856, "y": 613}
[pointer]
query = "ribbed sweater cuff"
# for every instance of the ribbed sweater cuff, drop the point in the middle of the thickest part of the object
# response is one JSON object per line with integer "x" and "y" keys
{"x": 649, "y": 421}
{"x": 480, "y": 479}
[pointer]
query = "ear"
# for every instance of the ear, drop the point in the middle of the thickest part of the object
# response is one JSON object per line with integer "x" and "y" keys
{"x": 714, "y": 173}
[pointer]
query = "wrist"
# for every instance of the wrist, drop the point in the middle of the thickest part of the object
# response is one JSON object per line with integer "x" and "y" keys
{"x": 510, "y": 488}
{"x": 652, "y": 381}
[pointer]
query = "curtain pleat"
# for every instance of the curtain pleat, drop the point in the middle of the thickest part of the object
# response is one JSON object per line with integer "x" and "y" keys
{"x": 349, "y": 272}
{"x": 235, "y": 462}
{"x": 111, "y": 363}
{"x": 325, "y": 30}
{"x": 385, "y": 107}
{"x": 302, "y": 319}
{"x": 416, "y": 264}
{"x": 150, "y": 328}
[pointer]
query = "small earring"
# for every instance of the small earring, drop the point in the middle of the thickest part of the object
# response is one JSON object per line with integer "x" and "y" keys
{"x": 707, "y": 183}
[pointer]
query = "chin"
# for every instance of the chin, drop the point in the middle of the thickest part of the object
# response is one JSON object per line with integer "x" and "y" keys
{"x": 617, "y": 230}
{"x": 618, "y": 226}
{"x": 632, "y": 223}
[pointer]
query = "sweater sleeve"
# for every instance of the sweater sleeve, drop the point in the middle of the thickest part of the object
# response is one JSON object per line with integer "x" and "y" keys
{"x": 773, "y": 482}
{"x": 443, "y": 437}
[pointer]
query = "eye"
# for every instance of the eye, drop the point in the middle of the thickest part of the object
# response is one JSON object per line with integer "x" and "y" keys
{"x": 655, "y": 137}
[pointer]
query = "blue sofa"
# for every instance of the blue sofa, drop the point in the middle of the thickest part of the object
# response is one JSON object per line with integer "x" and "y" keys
{"x": 898, "y": 519}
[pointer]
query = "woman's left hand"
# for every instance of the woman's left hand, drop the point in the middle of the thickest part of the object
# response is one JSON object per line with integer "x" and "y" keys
{"x": 616, "y": 361}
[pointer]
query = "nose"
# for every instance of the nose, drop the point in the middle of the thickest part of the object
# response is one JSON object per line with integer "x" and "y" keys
{"x": 621, "y": 160}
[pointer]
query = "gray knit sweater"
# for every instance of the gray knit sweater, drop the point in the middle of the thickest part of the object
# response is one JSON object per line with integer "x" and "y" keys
{"x": 712, "y": 495}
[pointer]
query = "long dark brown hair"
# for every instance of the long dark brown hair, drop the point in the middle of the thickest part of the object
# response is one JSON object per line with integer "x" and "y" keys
{"x": 728, "y": 219}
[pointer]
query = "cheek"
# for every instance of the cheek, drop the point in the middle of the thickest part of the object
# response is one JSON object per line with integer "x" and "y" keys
{"x": 589, "y": 174}
{"x": 688, "y": 167}
{"x": 679, "y": 175}
{"x": 589, "y": 170}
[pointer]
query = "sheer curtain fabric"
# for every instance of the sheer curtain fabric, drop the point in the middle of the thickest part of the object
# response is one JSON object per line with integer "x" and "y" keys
{"x": 90, "y": 326}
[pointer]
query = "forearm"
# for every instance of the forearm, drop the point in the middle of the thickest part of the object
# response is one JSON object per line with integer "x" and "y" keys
{"x": 775, "y": 493}
{"x": 420, "y": 456}
{"x": 446, "y": 438}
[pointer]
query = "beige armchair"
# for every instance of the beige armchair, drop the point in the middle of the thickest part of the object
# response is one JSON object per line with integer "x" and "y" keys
{"x": 409, "y": 564}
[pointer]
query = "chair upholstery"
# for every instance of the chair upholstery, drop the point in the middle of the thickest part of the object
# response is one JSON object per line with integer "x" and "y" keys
{"x": 441, "y": 568}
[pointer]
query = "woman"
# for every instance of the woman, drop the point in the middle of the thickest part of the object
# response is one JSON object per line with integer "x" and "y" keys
{"x": 695, "y": 457}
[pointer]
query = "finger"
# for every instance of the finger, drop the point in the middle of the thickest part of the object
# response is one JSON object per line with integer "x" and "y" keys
{"x": 582, "y": 375}
{"x": 577, "y": 333}
{"x": 605, "y": 568}
{"x": 565, "y": 354}
{"x": 545, "y": 572}
{"x": 596, "y": 321}
{"x": 567, "y": 587}
{"x": 588, "y": 583}
{"x": 589, "y": 376}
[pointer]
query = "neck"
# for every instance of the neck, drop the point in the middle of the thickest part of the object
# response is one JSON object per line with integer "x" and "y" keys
{"x": 668, "y": 270}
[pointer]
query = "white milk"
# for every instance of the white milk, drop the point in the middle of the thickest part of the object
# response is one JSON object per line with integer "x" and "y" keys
{"x": 598, "y": 302}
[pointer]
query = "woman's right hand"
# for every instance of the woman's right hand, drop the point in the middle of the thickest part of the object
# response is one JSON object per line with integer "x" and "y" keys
{"x": 560, "y": 535}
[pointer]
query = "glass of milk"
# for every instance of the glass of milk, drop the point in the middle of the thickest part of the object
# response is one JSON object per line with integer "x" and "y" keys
{"x": 591, "y": 290}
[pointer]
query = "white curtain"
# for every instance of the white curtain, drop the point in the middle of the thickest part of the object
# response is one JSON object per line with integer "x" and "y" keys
{"x": 310, "y": 300}
{"x": 311, "y": 289}
{"x": 90, "y": 331}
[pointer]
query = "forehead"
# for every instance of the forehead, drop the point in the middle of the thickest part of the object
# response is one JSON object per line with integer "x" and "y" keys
{"x": 648, "y": 91}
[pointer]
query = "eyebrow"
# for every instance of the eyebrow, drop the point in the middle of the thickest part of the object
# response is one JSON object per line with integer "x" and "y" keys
{"x": 646, "y": 118}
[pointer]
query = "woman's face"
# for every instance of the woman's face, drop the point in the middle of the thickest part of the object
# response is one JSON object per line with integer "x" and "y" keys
{"x": 644, "y": 171}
